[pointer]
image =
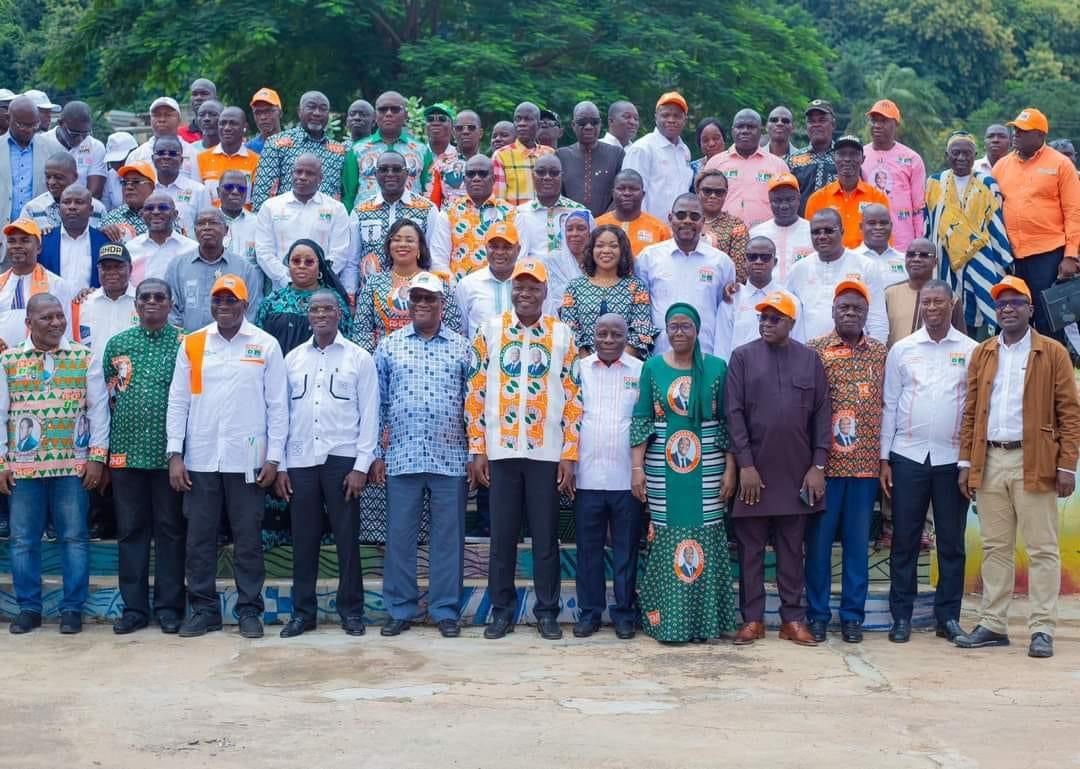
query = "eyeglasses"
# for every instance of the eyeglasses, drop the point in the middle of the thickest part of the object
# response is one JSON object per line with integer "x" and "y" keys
{"x": 134, "y": 182}
{"x": 771, "y": 319}
{"x": 712, "y": 192}
{"x": 230, "y": 187}
{"x": 389, "y": 169}
{"x": 153, "y": 296}
{"x": 553, "y": 173}
{"x": 423, "y": 297}
{"x": 389, "y": 109}
{"x": 157, "y": 208}
{"x": 438, "y": 117}
{"x": 784, "y": 120}
{"x": 167, "y": 153}
{"x": 477, "y": 173}
{"x": 923, "y": 254}
{"x": 823, "y": 231}
{"x": 466, "y": 127}
{"x": 587, "y": 121}
{"x": 682, "y": 216}
{"x": 25, "y": 126}
{"x": 318, "y": 310}
{"x": 227, "y": 300}
{"x": 676, "y": 328}
{"x": 758, "y": 257}
{"x": 1016, "y": 304}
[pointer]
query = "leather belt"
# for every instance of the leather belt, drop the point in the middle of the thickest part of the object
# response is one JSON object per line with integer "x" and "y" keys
{"x": 1007, "y": 445}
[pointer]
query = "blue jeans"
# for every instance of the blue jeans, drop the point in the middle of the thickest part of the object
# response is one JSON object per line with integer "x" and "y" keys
{"x": 849, "y": 506}
{"x": 594, "y": 512}
{"x": 32, "y": 503}
{"x": 446, "y": 559}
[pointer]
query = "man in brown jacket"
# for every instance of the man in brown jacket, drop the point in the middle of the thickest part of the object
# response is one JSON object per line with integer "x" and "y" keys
{"x": 1018, "y": 450}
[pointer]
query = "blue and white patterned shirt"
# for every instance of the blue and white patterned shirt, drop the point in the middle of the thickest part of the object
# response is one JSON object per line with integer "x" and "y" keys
{"x": 22, "y": 175}
{"x": 422, "y": 402}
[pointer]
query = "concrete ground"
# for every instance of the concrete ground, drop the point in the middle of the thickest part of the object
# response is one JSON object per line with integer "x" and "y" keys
{"x": 327, "y": 700}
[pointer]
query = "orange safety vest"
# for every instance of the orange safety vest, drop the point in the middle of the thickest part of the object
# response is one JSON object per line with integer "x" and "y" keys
{"x": 195, "y": 346}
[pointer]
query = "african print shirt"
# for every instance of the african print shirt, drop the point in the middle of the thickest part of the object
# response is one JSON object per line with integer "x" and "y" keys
{"x": 422, "y": 384}
{"x": 728, "y": 233}
{"x": 374, "y": 217}
{"x": 382, "y": 307}
{"x": 524, "y": 398}
{"x": 469, "y": 224}
{"x": 856, "y": 390}
{"x": 584, "y": 302}
{"x": 138, "y": 367}
{"x": 512, "y": 166}
{"x": 813, "y": 170}
{"x": 274, "y": 173}
{"x": 358, "y": 174}
{"x": 130, "y": 221}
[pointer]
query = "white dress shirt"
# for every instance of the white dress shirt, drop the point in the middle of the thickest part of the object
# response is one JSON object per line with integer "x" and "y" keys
{"x": 698, "y": 278}
{"x": 189, "y": 164}
{"x": 792, "y": 244}
{"x": 737, "y": 320}
{"x": 149, "y": 260}
{"x": 665, "y": 167}
{"x": 190, "y": 198}
{"x": 333, "y": 404}
{"x": 480, "y": 295}
{"x": 13, "y": 320}
{"x": 241, "y": 418}
{"x": 102, "y": 318}
{"x": 814, "y": 281}
{"x": 240, "y": 242}
{"x": 1005, "y": 421}
{"x": 613, "y": 140}
{"x": 89, "y": 157}
{"x": 925, "y": 390}
{"x": 983, "y": 165}
{"x": 283, "y": 220}
{"x": 609, "y": 394}
{"x": 890, "y": 261}
{"x": 75, "y": 258}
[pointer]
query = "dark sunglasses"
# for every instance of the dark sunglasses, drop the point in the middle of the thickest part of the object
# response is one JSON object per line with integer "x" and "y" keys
{"x": 1016, "y": 304}
{"x": 224, "y": 299}
{"x": 390, "y": 169}
{"x": 477, "y": 173}
{"x": 823, "y": 231}
{"x": 784, "y": 120}
{"x": 153, "y": 296}
{"x": 168, "y": 153}
{"x": 466, "y": 127}
{"x": 438, "y": 117}
{"x": 923, "y": 254}
{"x": 157, "y": 208}
{"x": 712, "y": 192}
{"x": 682, "y": 216}
{"x": 553, "y": 173}
{"x": 230, "y": 187}
{"x": 758, "y": 257}
{"x": 587, "y": 121}
{"x": 389, "y": 109}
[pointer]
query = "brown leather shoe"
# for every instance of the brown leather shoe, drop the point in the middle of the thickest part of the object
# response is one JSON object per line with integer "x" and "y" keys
{"x": 797, "y": 632}
{"x": 748, "y": 633}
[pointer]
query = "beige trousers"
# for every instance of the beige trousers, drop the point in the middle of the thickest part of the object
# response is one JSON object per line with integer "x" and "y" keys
{"x": 1005, "y": 507}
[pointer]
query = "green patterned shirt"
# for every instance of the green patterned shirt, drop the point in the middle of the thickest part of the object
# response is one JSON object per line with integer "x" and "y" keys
{"x": 139, "y": 369}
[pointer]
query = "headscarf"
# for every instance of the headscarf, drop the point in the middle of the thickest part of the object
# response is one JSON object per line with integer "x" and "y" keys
{"x": 583, "y": 214}
{"x": 698, "y": 408}
{"x": 562, "y": 266}
{"x": 960, "y": 136}
{"x": 327, "y": 277}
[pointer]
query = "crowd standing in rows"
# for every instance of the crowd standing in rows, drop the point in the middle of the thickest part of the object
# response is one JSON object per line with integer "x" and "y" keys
{"x": 751, "y": 343}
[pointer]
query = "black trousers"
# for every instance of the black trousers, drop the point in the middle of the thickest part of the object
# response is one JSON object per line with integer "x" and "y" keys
{"x": 243, "y": 503}
{"x": 595, "y": 512}
{"x": 915, "y": 486}
{"x": 1039, "y": 271}
{"x": 752, "y": 535}
{"x": 524, "y": 489}
{"x": 316, "y": 488}
{"x": 147, "y": 508}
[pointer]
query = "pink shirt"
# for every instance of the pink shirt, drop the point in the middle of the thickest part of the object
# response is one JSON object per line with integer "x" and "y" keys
{"x": 748, "y": 183}
{"x": 901, "y": 175}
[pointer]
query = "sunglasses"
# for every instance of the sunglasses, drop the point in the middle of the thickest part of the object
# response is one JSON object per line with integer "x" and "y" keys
{"x": 682, "y": 216}
{"x": 923, "y": 254}
{"x": 134, "y": 182}
{"x": 167, "y": 153}
{"x": 758, "y": 257}
{"x": 466, "y": 127}
{"x": 153, "y": 296}
{"x": 477, "y": 173}
{"x": 230, "y": 187}
{"x": 823, "y": 231}
{"x": 224, "y": 299}
{"x": 438, "y": 117}
{"x": 388, "y": 109}
{"x": 1016, "y": 304}
{"x": 552, "y": 173}
{"x": 587, "y": 121}
{"x": 157, "y": 208}
{"x": 712, "y": 192}
{"x": 784, "y": 120}
{"x": 390, "y": 169}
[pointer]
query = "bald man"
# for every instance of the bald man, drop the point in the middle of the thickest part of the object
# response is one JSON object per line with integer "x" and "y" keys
{"x": 73, "y": 133}
{"x": 589, "y": 166}
{"x": 201, "y": 91}
{"x": 360, "y": 120}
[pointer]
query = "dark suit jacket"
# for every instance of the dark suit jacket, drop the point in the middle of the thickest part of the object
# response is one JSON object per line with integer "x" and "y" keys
{"x": 50, "y": 253}
{"x": 606, "y": 163}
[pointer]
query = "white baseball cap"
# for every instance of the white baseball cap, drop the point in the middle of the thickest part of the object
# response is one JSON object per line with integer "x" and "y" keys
{"x": 427, "y": 282}
{"x": 6, "y": 95}
{"x": 41, "y": 100}
{"x": 165, "y": 101}
{"x": 118, "y": 146}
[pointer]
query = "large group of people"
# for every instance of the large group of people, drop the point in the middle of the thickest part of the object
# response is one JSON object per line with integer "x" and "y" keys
{"x": 761, "y": 343}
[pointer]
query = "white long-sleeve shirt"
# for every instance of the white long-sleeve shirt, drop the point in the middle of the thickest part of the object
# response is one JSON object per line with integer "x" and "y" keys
{"x": 241, "y": 417}
{"x": 792, "y": 243}
{"x": 283, "y": 220}
{"x": 737, "y": 320}
{"x": 333, "y": 404}
{"x": 892, "y": 263}
{"x": 925, "y": 390}
{"x": 665, "y": 167}
{"x": 1005, "y": 421}
{"x": 698, "y": 278}
{"x": 814, "y": 282}
{"x": 480, "y": 295}
{"x": 190, "y": 197}
{"x": 189, "y": 163}
{"x": 609, "y": 394}
{"x": 149, "y": 260}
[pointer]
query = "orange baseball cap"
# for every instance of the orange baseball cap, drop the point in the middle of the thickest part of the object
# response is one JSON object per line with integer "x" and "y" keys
{"x": 268, "y": 95}
{"x": 25, "y": 225}
{"x": 504, "y": 230}
{"x": 141, "y": 167}
{"x": 234, "y": 284}
{"x": 780, "y": 301}
{"x": 784, "y": 180}
{"x": 885, "y": 108}
{"x": 672, "y": 97}
{"x": 1030, "y": 119}
{"x": 532, "y": 267}
{"x": 852, "y": 285}
{"x": 1008, "y": 283}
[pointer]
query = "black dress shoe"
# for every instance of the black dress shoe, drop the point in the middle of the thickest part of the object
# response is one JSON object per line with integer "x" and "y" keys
{"x": 549, "y": 629}
{"x": 25, "y": 622}
{"x": 1042, "y": 646}
{"x": 296, "y": 626}
{"x": 950, "y": 630}
{"x": 251, "y": 626}
{"x": 818, "y": 629}
{"x": 449, "y": 628}
{"x": 199, "y": 623}
{"x": 395, "y": 627}
{"x": 498, "y": 628}
{"x": 980, "y": 637}
{"x": 70, "y": 622}
{"x": 900, "y": 632}
{"x": 624, "y": 629}
{"x": 353, "y": 626}
{"x": 585, "y": 627}
{"x": 851, "y": 632}
{"x": 169, "y": 623}
{"x": 129, "y": 622}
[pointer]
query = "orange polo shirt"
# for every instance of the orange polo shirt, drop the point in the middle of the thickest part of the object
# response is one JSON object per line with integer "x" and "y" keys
{"x": 213, "y": 163}
{"x": 849, "y": 205}
{"x": 644, "y": 231}
{"x": 1042, "y": 202}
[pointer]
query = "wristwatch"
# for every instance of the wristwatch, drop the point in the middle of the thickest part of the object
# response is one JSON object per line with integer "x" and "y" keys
{"x": 820, "y": 467}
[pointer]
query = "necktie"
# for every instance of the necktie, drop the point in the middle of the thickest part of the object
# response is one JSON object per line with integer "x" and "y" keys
{"x": 18, "y": 302}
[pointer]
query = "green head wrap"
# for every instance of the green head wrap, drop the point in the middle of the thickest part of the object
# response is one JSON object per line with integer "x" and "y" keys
{"x": 698, "y": 408}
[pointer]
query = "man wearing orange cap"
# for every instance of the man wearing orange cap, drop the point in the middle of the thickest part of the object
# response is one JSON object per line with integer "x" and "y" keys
{"x": 849, "y": 194}
{"x": 1018, "y": 450}
{"x": 749, "y": 169}
{"x": 137, "y": 182}
{"x": 896, "y": 170}
{"x": 523, "y": 413}
{"x": 266, "y": 110}
{"x": 485, "y": 293}
{"x": 1042, "y": 210}
{"x": 788, "y": 231}
{"x": 226, "y": 425}
{"x": 662, "y": 157}
{"x": 25, "y": 278}
{"x": 855, "y": 367}
{"x": 778, "y": 416}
